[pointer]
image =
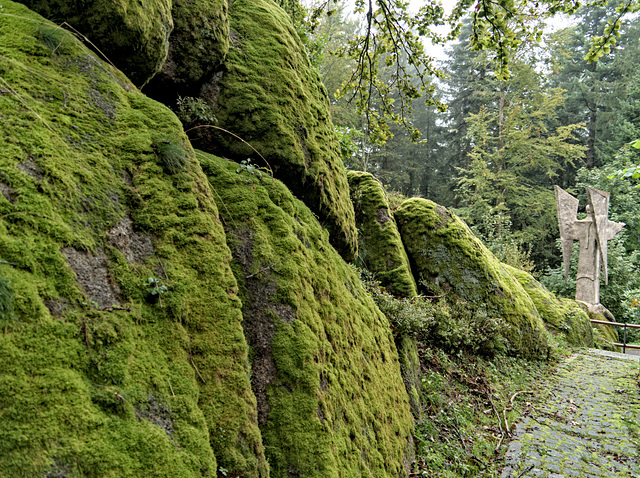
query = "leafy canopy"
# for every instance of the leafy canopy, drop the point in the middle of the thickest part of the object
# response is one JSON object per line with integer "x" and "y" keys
{"x": 392, "y": 34}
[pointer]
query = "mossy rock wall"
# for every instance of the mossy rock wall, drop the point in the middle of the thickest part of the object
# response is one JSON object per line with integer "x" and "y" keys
{"x": 379, "y": 244}
{"x": 134, "y": 35}
{"x": 274, "y": 107}
{"x": 98, "y": 376}
{"x": 325, "y": 370}
{"x": 447, "y": 256}
{"x": 197, "y": 46}
{"x": 562, "y": 316}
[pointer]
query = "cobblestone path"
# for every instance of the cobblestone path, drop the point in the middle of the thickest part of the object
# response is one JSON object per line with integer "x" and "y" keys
{"x": 589, "y": 426}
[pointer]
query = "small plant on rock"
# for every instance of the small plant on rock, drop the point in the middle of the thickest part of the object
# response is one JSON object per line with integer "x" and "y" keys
{"x": 172, "y": 157}
{"x": 191, "y": 109}
{"x": 50, "y": 37}
{"x": 154, "y": 289}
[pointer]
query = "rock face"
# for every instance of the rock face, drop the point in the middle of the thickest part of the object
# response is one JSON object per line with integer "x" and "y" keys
{"x": 564, "y": 317}
{"x": 445, "y": 253}
{"x": 133, "y": 35}
{"x": 132, "y": 342}
{"x": 380, "y": 246}
{"x": 275, "y": 110}
{"x": 197, "y": 46}
{"x": 325, "y": 370}
{"x": 104, "y": 372}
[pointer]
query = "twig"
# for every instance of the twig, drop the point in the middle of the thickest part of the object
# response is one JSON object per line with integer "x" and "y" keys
{"x": 518, "y": 393}
{"x": 504, "y": 412}
{"x": 502, "y": 434}
{"x": 171, "y": 388}
{"x": 166, "y": 277}
{"x": 506, "y": 423}
{"x": 24, "y": 102}
{"x": 9, "y": 263}
{"x": 238, "y": 137}
{"x": 264, "y": 269}
{"x": 525, "y": 471}
{"x": 86, "y": 339}
{"x": 197, "y": 371}
{"x": 120, "y": 397}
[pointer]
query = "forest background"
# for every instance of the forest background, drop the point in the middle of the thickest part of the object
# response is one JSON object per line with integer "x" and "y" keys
{"x": 489, "y": 130}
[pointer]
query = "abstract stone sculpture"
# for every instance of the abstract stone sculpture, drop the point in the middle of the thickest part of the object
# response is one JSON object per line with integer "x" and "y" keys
{"x": 593, "y": 232}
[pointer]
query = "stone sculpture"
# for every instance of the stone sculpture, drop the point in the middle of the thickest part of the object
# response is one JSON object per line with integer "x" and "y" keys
{"x": 593, "y": 233}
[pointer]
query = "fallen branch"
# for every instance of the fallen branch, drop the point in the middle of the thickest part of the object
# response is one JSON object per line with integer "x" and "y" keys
{"x": 504, "y": 412}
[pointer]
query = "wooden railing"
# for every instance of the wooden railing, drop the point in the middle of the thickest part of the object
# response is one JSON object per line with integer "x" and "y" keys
{"x": 624, "y": 333}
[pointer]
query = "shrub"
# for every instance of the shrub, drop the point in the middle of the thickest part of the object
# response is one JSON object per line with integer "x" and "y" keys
{"x": 191, "y": 109}
{"x": 450, "y": 327}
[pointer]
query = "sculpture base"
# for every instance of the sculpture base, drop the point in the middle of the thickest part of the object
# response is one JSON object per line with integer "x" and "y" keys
{"x": 598, "y": 309}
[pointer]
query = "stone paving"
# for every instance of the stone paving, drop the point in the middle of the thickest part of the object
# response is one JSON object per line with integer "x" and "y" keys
{"x": 588, "y": 426}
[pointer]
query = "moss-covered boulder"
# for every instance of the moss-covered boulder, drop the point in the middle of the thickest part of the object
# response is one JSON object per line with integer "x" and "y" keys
{"x": 275, "y": 111}
{"x": 325, "y": 370}
{"x": 444, "y": 253}
{"x": 134, "y": 35}
{"x": 605, "y": 336}
{"x": 124, "y": 354}
{"x": 197, "y": 46}
{"x": 380, "y": 247}
{"x": 562, "y": 316}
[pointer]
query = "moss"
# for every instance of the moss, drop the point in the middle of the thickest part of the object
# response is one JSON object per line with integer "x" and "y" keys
{"x": 198, "y": 44}
{"x": 325, "y": 371}
{"x": 132, "y": 34}
{"x": 271, "y": 97}
{"x": 448, "y": 258}
{"x": 604, "y": 336}
{"x": 563, "y": 316}
{"x": 411, "y": 373}
{"x": 95, "y": 380}
{"x": 380, "y": 247}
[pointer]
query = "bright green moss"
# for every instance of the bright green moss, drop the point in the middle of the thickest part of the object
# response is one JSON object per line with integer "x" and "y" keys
{"x": 379, "y": 244}
{"x": 450, "y": 259}
{"x": 133, "y": 35}
{"x": 325, "y": 371}
{"x": 562, "y": 316}
{"x": 271, "y": 97}
{"x": 97, "y": 379}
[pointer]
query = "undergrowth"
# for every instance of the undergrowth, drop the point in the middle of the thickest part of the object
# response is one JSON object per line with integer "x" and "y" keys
{"x": 453, "y": 327}
{"x": 470, "y": 394}
{"x": 469, "y": 406}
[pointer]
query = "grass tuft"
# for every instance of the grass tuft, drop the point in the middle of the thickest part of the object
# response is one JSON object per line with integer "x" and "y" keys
{"x": 172, "y": 157}
{"x": 50, "y": 37}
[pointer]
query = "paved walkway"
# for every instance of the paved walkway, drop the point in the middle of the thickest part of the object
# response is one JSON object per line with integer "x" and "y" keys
{"x": 590, "y": 425}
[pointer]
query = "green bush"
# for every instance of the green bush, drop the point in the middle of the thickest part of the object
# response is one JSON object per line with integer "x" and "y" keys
{"x": 456, "y": 327}
{"x": 191, "y": 110}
